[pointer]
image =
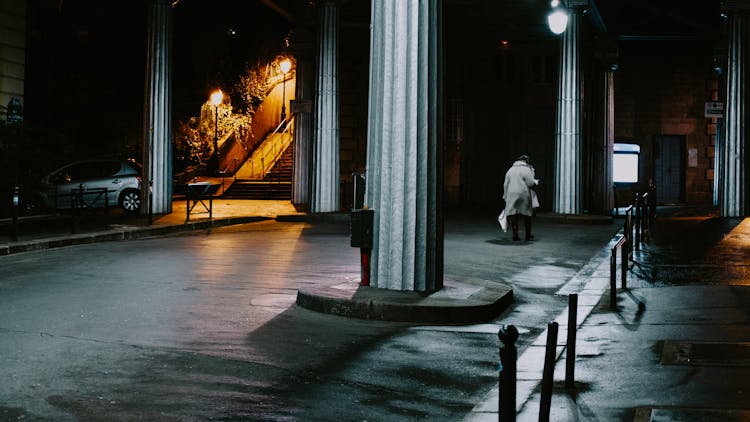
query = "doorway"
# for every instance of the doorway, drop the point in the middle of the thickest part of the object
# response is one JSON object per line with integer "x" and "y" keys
{"x": 669, "y": 152}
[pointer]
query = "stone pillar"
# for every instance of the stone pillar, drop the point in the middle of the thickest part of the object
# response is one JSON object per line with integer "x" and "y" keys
{"x": 568, "y": 132}
{"x": 404, "y": 165}
{"x": 303, "y": 123}
{"x": 732, "y": 177}
{"x": 603, "y": 145}
{"x": 157, "y": 142}
{"x": 324, "y": 194}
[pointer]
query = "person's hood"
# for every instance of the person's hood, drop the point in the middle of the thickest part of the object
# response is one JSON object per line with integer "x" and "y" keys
{"x": 521, "y": 163}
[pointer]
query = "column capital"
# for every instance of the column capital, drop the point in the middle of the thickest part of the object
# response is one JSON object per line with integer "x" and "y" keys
{"x": 577, "y": 4}
{"x": 736, "y": 6}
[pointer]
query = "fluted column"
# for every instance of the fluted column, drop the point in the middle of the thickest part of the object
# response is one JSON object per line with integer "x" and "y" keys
{"x": 403, "y": 155}
{"x": 568, "y": 132}
{"x": 324, "y": 195}
{"x": 732, "y": 179}
{"x": 157, "y": 145}
{"x": 603, "y": 145}
{"x": 303, "y": 123}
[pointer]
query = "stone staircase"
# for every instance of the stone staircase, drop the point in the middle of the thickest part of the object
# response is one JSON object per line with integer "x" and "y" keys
{"x": 277, "y": 184}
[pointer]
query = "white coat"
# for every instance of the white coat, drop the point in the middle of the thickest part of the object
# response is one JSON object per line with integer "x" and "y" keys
{"x": 519, "y": 179}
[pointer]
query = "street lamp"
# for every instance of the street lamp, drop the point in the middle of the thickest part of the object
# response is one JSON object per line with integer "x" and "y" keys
{"x": 558, "y": 19}
{"x": 285, "y": 66}
{"x": 216, "y": 98}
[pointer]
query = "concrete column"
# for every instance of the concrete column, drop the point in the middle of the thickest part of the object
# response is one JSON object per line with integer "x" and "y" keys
{"x": 157, "y": 142}
{"x": 404, "y": 166}
{"x": 303, "y": 123}
{"x": 324, "y": 194}
{"x": 604, "y": 148}
{"x": 568, "y": 132}
{"x": 732, "y": 177}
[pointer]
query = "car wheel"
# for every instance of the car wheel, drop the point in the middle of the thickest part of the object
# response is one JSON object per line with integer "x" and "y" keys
{"x": 130, "y": 201}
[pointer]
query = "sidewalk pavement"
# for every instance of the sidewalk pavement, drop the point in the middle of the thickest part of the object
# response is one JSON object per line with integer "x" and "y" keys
{"x": 458, "y": 302}
{"x": 674, "y": 349}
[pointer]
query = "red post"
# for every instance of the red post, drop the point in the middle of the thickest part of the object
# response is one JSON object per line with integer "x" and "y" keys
{"x": 365, "y": 259}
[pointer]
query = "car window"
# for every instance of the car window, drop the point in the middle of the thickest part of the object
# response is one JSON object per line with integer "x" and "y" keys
{"x": 76, "y": 172}
{"x": 109, "y": 168}
{"x": 90, "y": 170}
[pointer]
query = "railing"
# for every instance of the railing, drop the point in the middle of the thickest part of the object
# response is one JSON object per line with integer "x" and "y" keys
{"x": 639, "y": 219}
{"x": 628, "y": 228}
{"x": 622, "y": 244}
{"x": 87, "y": 198}
{"x": 645, "y": 211}
{"x": 268, "y": 153}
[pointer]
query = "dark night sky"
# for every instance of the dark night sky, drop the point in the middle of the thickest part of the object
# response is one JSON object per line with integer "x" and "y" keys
{"x": 86, "y": 63}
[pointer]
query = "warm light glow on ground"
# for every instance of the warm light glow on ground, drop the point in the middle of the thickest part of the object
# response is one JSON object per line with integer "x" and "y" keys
{"x": 733, "y": 253}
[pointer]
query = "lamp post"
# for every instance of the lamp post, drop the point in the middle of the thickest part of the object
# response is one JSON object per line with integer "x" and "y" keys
{"x": 216, "y": 99}
{"x": 285, "y": 66}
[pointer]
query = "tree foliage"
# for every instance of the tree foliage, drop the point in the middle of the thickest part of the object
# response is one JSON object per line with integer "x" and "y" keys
{"x": 193, "y": 143}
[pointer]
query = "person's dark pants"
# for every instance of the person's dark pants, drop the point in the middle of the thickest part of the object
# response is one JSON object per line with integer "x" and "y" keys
{"x": 514, "y": 225}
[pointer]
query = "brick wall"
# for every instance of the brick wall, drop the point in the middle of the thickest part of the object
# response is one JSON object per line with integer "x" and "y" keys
{"x": 662, "y": 92}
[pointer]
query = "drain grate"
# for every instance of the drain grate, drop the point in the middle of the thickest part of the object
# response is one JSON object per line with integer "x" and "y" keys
{"x": 696, "y": 353}
{"x": 656, "y": 414}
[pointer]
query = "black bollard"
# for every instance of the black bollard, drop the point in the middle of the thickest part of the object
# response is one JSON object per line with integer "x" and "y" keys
{"x": 151, "y": 203}
{"x": 15, "y": 203}
{"x": 545, "y": 403}
{"x": 570, "y": 345}
{"x": 508, "y": 335}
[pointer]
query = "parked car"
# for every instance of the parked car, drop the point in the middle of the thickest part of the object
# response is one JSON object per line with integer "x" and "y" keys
{"x": 83, "y": 183}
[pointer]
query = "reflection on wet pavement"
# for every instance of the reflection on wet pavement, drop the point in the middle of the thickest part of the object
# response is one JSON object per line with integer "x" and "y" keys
{"x": 693, "y": 245}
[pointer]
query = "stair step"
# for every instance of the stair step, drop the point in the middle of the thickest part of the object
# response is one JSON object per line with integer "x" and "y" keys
{"x": 276, "y": 185}
{"x": 259, "y": 190}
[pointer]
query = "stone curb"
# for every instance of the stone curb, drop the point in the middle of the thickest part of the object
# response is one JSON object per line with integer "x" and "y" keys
{"x": 121, "y": 234}
{"x": 482, "y": 306}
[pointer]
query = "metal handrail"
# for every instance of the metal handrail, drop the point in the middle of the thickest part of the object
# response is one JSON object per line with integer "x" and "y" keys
{"x": 628, "y": 230}
{"x": 270, "y": 155}
{"x": 622, "y": 243}
{"x": 638, "y": 225}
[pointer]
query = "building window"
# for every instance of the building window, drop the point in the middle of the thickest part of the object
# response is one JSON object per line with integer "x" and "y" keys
{"x": 505, "y": 70}
{"x": 454, "y": 125}
{"x": 542, "y": 70}
{"x": 625, "y": 163}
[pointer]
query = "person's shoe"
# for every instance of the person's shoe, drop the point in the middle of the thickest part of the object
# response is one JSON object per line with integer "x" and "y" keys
{"x": 516, "y": 238}
{"x": 529, "y": 238}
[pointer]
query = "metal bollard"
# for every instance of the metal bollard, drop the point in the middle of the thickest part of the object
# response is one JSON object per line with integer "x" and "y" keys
{"x": 150, "y": 202}
{"x": 508, "y": 335}
{"x": 570, "y": 345}
{"x": 364, "y": 257}
{"x": 15, "y": 202}
{"x": 636, "y": 241}
{"x": 545, "y": 403}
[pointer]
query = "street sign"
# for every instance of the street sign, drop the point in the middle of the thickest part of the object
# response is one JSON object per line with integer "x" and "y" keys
{"x": 14, "y": 114}
{"x": 714, "y": 109}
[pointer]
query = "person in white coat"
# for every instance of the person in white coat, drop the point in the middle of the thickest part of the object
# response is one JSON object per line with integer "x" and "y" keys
{"x": 517, "y": 193}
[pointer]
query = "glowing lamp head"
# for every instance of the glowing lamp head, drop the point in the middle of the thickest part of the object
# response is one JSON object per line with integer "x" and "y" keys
{"x": 558, "y": 21}
{"x": 217, "y": 97}
{"x": 285, "y": 65}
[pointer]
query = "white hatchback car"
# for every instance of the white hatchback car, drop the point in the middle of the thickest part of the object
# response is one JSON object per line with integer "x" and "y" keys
{"x": 84, "y": 183}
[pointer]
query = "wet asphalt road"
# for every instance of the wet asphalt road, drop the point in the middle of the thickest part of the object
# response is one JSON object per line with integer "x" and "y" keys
{"x": 202, "y": 326}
